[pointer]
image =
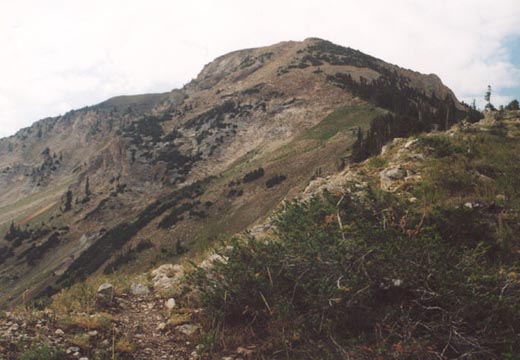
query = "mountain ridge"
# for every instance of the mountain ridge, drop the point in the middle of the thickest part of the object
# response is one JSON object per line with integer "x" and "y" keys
{"x": 291, "y": 109}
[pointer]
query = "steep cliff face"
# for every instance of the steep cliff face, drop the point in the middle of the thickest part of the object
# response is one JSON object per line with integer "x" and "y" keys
{"x": 180, "y": 167}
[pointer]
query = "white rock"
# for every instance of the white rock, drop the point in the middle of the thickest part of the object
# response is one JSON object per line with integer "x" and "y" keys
{"x": 59, "y": 332}
{"x": 410, "y": 143}
{"x": 72, "y": 349}
{"x": 170, "y": 303}
{"x": 468, "y": 205}
{"x": 397, "y": 282}
{"x": 161, "y": 326}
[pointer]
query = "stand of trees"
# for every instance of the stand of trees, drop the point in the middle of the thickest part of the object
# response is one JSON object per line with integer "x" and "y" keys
{"x": 410, "y": 111}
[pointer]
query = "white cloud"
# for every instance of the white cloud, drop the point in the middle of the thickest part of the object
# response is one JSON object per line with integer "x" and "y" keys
{"x": 60, "y": 53}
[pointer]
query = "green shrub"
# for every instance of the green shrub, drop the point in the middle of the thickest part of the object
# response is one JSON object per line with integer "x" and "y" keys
{"x": 441, "y": 146}
{"x": 253, "y": 175}
{"x": 275, "y": 180}
{"x": 43, "y": 352}
{"x": 367, "y": 275}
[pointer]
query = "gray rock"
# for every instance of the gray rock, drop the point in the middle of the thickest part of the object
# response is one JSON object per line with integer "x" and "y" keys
{"x": 105, "y": 290}
{"x": 389, "y": 175}
{"x": 187, "y": 329}
{"x": 72, "y": 349}
{"x": 138, "y": 289}
{"x": 394, "y": 173}
{"x": 167, "y": 276}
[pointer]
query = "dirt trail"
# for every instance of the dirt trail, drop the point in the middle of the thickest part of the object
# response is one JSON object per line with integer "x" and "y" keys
{"x": 140, "y": 322}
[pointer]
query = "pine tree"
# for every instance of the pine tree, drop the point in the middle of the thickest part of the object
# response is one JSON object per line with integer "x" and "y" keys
{"x": 68, "y": 201}
{"x": 87, "y": 188}
{"x": 513, "y": 105}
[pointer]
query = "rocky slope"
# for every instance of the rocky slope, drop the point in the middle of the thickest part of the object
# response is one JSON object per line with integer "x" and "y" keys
{"x": 137, "y": 179}
{"x": 161, "y": 313}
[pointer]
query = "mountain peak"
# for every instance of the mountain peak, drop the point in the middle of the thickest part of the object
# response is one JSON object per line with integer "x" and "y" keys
{"x": 219, "y": 153}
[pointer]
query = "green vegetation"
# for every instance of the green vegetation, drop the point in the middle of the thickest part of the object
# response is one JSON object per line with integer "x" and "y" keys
{"x": 342, "y": 119}
{"x": 377, "y": 276}
{"x": 43, "y": 352}
{"x": 253, "y": 175}
{"x": 128, "y": 256}
{"x": 440, "y": 145}
{"x": 513, "y": 105}
{"x": 377, "y": 162}
{"x": 384, "y": 280}
{"x": 114, "y": 239}
{"x": 480, "y": 167}
{"x": 275, "y": 180}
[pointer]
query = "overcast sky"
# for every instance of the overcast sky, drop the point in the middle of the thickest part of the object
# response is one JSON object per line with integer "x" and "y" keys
{"x": 58, "y": 55}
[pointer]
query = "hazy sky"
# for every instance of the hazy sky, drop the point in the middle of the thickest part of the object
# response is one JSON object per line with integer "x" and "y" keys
{"x": 57, "y": 55}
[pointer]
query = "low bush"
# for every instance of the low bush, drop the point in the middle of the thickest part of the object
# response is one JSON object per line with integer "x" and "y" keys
{"x": 43, "y": 352}
{"x": 440, "y": 145}
{"x": 275, "y": 180}
{"x": 253, "y": 175}
{"x": 367, "y": 279}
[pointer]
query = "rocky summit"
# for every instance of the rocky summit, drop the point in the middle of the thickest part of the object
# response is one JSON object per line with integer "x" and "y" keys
{"x": 302, "y": 200}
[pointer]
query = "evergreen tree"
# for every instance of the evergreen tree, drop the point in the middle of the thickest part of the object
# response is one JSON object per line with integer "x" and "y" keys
{"x": 487, "y": 97}
{"x": 87, "y": 188}
{"x": 513, "y": 105}
{"x": 68, "y": 201}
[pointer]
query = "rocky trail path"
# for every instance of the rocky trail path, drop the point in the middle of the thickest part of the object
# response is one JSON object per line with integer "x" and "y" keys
{"x": 139, "y": 323}
{"x": 155, "y": 331}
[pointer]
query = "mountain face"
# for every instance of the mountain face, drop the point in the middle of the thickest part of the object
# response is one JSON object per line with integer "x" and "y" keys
{"x": 135, "y": 179}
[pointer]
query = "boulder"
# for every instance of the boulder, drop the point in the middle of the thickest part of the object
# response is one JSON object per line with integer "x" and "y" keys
{"x": 187, "y": 329}
{"x": 167, "y": 276}
{"x": 394, "y": 173}
{"x": 138, "y": 289}
{"x": 105, "y": 294}
{"x": 390, "y": 175}
{"x": 105, "y": 290}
